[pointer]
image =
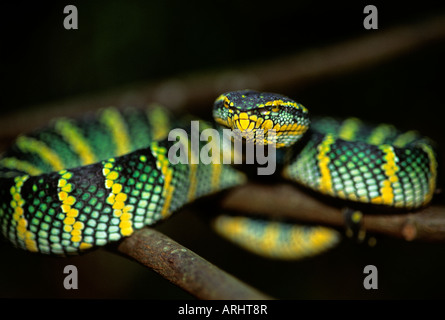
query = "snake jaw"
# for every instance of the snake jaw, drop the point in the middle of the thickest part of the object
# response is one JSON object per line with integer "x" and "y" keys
{"x": 252, "y": 113}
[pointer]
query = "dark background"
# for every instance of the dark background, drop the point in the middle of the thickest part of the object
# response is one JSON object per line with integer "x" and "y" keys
{"x": 126, "y": 42}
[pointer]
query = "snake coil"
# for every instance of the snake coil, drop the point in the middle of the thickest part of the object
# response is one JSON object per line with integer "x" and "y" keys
{"x": 78, "y": 184}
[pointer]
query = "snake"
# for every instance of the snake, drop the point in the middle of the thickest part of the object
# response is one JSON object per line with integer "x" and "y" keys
{"x": 78, "y": 184}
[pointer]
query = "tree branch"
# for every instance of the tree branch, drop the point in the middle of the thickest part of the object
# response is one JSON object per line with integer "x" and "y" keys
{"x": 204, "y": 280}
{"x": 185, "y": 268}
{"x": 287, "y": 201}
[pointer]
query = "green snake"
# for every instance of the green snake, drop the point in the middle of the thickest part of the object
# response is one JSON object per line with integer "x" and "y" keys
{"x": 79, "y": 184}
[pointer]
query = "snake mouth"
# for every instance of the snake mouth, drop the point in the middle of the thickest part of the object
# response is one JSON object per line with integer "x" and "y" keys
{"x": 255, "y": 124}
{"x": 262, "y": 132}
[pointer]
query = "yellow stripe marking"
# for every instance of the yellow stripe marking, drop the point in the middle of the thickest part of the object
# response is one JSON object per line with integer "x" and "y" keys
{"x": 325, "y": 183}
{"x": 27, "y": 144}
{"x": 216, "y": 176}
{"x": 24, "y": 166}
{"x": 225, "y": 100}
{"x": 390, "y": 168}
{"x": 244, "y": 121}
{"x": 307, "y": 243}
{"x": 85, "y": 246}
{"x": 349, "y": 129}
{"x": 379, "y": 134}
{"x": 71, "y": 225}
{"x": 277, "y": 127}
{"x": 216, "y": 165}
{"x": 267, "y": 125}
{"x": 74, "y": 137}
{"x": 162, "y": 163}
{"x": 270, "y": 237}
{"x": 297, "y": 129}
{"x": 192, "y": 174}
{"x": 17, "y": 202}
{"x": 159, "y": 122}
{"x": 220, "y": 98}
{"x": 117, "y": 199}
{"x": 281, "y": 103}
{"x": 259, "y": 122}
{"x": 403, "y": 139}
{"x": 116, "y": 125}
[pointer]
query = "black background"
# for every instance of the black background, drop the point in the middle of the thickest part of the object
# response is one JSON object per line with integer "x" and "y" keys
{"x": 124, "y": 42}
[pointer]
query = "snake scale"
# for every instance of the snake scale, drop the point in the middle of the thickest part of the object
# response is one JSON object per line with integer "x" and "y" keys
{"x": 78, "y": 184}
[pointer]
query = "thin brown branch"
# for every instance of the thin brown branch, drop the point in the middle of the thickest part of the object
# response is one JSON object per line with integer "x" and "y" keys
{"x": 203, "y": 280}
{"x": 185, "y": 268}
{"x": 287, "y": 201}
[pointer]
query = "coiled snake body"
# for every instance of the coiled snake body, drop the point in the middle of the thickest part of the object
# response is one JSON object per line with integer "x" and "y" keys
{"x": 80, "y": 184}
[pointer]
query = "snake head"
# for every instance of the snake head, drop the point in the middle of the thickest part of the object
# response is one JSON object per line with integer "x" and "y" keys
{"x": 262, "y": 117}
